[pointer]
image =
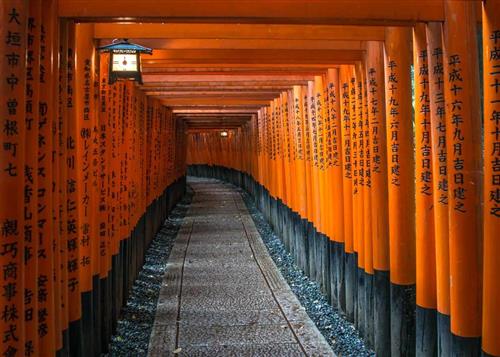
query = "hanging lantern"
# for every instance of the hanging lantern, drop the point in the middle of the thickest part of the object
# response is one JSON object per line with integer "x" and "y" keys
{"x": 223, "y": 133}
{"x": 125, "y": 60}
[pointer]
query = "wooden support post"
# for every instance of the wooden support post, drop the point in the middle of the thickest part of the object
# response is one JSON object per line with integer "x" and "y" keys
{"x": 72, "y": 207}
{"x": 83, "y": 101}
{"x": 463, "y": 134}
{"x": 491, "y": 214}
{"x": 31, "y": 229}
{"x": 359, "y": 188}
{"x": 301, "y": 190}
{"x": 346, "y": 129}
{"x": 379, "y": 198}
{"x": 356, "y": 193}
{"x": 307, "y": 156}
{"x": 46, "y": 112}
{"x": 61, "y": 182}
{"x": 14, "y": 17}
{"x": 426, "y": 342}
{"x": 440, "y": 184}
{"x": 337, "y": 194}
{"x": 401, "y": 188}
{"x": 369, "y": 298}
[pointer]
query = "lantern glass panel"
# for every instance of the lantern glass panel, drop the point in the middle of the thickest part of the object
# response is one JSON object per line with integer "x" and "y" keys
{"x": 124, "y": 62}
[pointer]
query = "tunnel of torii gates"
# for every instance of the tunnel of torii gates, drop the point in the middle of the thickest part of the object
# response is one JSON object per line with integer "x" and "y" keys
{"x": 367, "y": 131}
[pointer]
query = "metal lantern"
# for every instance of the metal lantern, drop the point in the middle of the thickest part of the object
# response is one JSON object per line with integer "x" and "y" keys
{"x": 125, "y": 60}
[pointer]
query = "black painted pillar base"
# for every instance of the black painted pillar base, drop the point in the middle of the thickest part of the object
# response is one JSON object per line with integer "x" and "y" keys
{"x": 351, "y": 293}
{"x": 369, "y": 309}
{"x": 311, "y": 237}
{"x": 324, "y": 244}
{"x": 87, "y": 323}
{"x": 64, "y": 350}
{"x": 359, "y": 319}
{"x": 443, "y": 335}
{"x": 382, "y": 313}
{"x": 402, "y": 320}
{"x": 106, "y": 306}
{"x": 465, "y": 346}
{"x": 334, "y": 270}
{"x": 76, "y": 339}
{"x": 341, "y": 290}
{"x": 426, "y": 332}
{"x": 96, "y": 316}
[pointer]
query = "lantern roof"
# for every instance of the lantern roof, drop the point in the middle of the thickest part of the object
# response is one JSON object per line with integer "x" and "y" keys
{"x": 122, "y": 45}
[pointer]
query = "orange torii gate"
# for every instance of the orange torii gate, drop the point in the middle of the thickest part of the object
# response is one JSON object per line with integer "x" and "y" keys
{"x": 390, "y": 202}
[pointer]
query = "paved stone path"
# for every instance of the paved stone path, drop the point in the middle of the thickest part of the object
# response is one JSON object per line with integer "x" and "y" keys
{"x": 222, "y": 295}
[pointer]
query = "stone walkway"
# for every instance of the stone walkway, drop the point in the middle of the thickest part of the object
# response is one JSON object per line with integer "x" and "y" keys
{"x": 222, "y": 295}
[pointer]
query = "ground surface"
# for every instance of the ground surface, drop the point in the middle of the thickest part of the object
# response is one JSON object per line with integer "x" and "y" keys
{"x": 222, "y": 294}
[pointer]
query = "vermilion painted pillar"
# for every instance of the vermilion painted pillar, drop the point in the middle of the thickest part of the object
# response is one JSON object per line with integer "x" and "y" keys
{"x": 491, "y": 214}
{"x": 426, "y": 341}
{"x": 337, "y": 193}
{"x": 30, "y": 189}
{"x": 46, "y": 148}
{"x": 440, "y": 184}
{"x": 72, "y": 206}
{"x": 84, "y": 116}
{"x": 379, "y": 198}
{"x": 13, "y": 14}
{"x": 463, "y": 134}
{"x": 299, "y": 152}
{"x": 401, "y": 188}
{"x": 324, "y": 205}
{"x": 307, "y": 155}
{"x": 346, "y": 128}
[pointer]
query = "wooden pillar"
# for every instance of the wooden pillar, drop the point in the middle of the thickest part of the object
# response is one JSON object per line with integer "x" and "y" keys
{"x": 307, "y": 155}
{"x": 440, "y": 184}
{"x": 491, "y": 214}
{"x": 337, "y": 196}
{"x": 379, "y": 198}
{"x": 463, "y": 133}
{"x": 426, "y": 343}
{"x": 323, "y": 208}
{"x": 299, "y": 153}
{"x": 31, "y": 230}
{"x": 72, "y": 188}
{"x": 350, "y": 265}
{"x": 369, "y": 298}
{"x": 401, "y": 183}
{"x": 14, "y": 14}
{"x": 356, "y": 192}
{"x": 47, "y": 112}
{"x": 83, "y": 101}
{"x": 285, "y": 130}
{"x": 106, "y": 201}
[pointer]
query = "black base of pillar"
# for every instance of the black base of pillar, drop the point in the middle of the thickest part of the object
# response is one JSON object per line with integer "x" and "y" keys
{"x": 402, "y": 320}
{"x": 465, "y": 346}
{"x": 359, "y": 317}
{"x": 369, "y": 319}
{"x": 97, "y": 308}
{"x": 443, "y": 335}
{"x": 351, "y": 293}
{"x": 87, "y": 321}
{"x": 426, "y": 332}
{"x": 340, "y": 257}
{"x": 382, "y": 313}
{"x": 75, "y": 339}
